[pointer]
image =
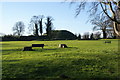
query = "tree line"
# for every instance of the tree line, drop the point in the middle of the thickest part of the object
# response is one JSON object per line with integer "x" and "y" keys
{"x": 35, "y": 26}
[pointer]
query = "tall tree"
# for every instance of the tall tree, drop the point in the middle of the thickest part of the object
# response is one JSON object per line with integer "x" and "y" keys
{"x": 114, "y": 7}
{"x": 91, "y": 36}
{"x": 49, "y": 25}
{"x": 19, "y": 28}
{"x": 86, "y": 35}
{"x": 40, "y": 24}
{"x": 101, "y": 23}
{"x": 36, "y": 29}
{"x": 34, "y": 20}
{"x": 109, "y": 7}
{"x": 79, "y": 37}
{"x": 97, "y": 35}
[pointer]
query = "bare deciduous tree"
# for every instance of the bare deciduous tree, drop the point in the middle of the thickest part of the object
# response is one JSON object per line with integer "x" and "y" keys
{"x": 111, "y": 8}
{"x": 34, "y": 20}
{"x": 102, "y": 23}
{"x": 49, "y": 25}
{"x": 36, "y": 24}
{"x": 86, "y": 35}
{"x": 97, "y": 35}
{"x": 19, "y": 28}
{"x": 40, "y": 24}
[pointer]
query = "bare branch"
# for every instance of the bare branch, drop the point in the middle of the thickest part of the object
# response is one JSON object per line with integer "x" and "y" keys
{"x": 104, "y": 10}
{"x": 80, "y": 7}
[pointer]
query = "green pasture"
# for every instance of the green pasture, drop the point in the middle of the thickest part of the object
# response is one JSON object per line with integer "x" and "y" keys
{"x": 82, "y": 60}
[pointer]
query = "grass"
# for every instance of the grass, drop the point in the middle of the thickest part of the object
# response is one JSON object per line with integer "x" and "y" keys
{"x": 82, "y": 60}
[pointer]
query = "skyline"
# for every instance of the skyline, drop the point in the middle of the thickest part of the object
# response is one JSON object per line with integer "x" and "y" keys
{"x": 62, "y": 13}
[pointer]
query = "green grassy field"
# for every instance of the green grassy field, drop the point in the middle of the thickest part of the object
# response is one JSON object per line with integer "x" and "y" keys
{"x": 82, "y": 60}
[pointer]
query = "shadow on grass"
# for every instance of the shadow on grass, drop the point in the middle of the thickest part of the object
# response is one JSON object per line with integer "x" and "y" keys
{"x": 50, "y": 70}
{"x": 12, "y": 49}
{"x": 4, "y": 44}
{"x": 52, "y": 49}
{"x": 21, "y": 49}
{"x": 10, "y": 60}
{"x": 61, "y": 48}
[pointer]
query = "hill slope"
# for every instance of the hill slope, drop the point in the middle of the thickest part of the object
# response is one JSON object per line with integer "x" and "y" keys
{"x": 63, "y": 35}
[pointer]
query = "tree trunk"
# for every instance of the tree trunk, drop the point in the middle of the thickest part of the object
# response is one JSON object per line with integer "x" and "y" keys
{"x": 40, "y": 23}
{"x": 114, "y": 17}
{"x": 36, "y": 30}
{"x": 117, "y": 28}
{"x": 117, "y": 23}
{"x": 104, "y": 34}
